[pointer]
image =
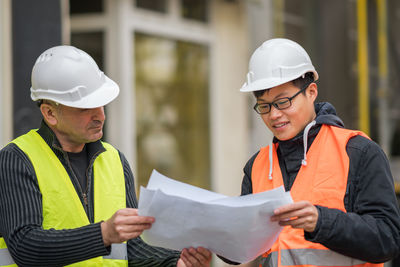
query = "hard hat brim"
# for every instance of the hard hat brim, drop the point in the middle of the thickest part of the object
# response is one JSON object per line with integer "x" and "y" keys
{"x": 263, "y": 84}
{"x": 98, "y": 98}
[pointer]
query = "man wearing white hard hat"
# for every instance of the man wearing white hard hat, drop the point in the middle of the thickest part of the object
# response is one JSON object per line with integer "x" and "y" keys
{"x": 66, "y": 198}
{"x": 345, "y": 211}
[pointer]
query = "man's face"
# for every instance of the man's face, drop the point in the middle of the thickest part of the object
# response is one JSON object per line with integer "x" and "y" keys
{"x": 77, "y": 126}
{"x": 287, "y": 123}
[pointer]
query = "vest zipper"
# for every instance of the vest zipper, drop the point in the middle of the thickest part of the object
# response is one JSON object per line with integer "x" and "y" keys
{"x": 85, "y": 200}
{"x": 80, "y": 193}
{"x": 89, "y": 172}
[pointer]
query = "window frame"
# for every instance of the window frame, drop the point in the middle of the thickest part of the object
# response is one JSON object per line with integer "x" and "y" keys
{"x": 119, "y": 22}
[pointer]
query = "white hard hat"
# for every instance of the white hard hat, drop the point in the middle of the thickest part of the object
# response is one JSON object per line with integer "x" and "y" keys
{"x": 69, "y": 76}
{"x": 275, "y": 62}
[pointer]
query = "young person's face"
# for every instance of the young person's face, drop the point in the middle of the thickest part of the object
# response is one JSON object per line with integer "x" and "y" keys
{"x": 287, "y": 123}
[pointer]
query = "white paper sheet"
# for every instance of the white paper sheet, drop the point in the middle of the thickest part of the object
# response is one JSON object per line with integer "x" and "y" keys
{"x": 237, "y": 228}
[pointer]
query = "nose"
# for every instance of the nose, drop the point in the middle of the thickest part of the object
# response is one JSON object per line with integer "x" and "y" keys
{"x": 274, "y": 113}
{"x": 98, "y": 114}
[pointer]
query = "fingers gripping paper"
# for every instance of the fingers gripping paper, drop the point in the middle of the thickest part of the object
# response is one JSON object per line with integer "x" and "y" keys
{"x": 237, "y": 228}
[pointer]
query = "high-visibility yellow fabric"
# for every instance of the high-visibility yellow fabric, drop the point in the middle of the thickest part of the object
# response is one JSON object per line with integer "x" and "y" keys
{"x": 62, "y": 208}
{"x": 322, "y": 181}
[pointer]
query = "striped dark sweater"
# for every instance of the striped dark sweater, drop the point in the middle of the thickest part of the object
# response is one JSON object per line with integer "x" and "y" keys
{"x": 21, "y": 215}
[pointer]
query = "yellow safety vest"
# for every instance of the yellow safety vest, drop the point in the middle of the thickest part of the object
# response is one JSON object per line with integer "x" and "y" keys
{"x": 62, "y": 208}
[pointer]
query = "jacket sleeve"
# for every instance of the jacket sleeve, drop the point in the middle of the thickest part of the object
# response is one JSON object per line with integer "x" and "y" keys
{"x": 370, "y": 228}
{"x": 139, "y": 253}
{"x": 21, "y": 220}
{"x": 247, "y": 186}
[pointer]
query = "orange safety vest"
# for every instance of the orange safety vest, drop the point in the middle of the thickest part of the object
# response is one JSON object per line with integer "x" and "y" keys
{"x": 322, "y": 181}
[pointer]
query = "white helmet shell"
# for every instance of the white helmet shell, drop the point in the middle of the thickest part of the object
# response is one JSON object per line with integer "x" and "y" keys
{"x": 275, "y": 62}
{"x": 69, "y": 76}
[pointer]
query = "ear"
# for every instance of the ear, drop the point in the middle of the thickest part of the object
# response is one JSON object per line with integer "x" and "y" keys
{"x": 312, "y": 91}
{"x": 49, "y": 113}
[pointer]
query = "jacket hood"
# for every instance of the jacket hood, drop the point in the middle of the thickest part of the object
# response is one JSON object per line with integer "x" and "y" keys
{"x": 326, "y": 114}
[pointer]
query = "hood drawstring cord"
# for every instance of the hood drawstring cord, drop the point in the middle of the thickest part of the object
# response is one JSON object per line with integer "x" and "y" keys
{"x": 270, "y": 160}
{"x": 305, "y": 138}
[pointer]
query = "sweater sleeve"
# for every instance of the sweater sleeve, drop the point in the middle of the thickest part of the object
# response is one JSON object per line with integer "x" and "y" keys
{"x": 21, "y": 220}
{"x": 370, "y": 229}
{"x": 140, "y": 253}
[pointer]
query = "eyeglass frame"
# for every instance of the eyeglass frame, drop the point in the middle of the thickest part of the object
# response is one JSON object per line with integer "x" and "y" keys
{"x": 273, "y": 103}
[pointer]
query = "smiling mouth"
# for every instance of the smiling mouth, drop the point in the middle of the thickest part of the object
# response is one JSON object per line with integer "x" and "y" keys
{"x": 279, "y": 125}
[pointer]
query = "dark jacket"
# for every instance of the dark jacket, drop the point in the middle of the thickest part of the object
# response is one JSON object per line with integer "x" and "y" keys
{"x": 21, "y": 214}
{"x": 370, "y": 230}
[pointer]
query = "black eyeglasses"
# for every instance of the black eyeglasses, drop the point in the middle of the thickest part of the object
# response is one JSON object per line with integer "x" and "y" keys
{"x": 281, "y": 103}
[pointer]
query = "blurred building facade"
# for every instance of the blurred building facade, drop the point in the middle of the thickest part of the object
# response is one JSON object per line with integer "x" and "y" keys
{"x": 180, "y": 64}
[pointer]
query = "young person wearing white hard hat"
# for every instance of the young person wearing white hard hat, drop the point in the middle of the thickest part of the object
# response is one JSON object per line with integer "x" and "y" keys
{"x": 65, "y": 196}
{"x": 345, "y": 211}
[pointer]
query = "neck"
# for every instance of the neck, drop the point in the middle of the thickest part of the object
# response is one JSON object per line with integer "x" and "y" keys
{"x": 66, "y": 142}
{"x": 69, "y": 145}
{"x": 74, "y": 148}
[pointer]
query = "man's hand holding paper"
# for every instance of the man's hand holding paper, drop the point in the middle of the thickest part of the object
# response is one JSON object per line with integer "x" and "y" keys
{"x": 302, "y": 215}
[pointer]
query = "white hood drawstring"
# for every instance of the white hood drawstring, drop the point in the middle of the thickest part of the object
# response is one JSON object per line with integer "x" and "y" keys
{"x": 305, "y": 138}
{"x": 270, "y": 160}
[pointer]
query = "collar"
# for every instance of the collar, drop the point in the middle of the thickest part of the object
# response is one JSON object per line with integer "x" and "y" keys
{"x": 93, "y": 148}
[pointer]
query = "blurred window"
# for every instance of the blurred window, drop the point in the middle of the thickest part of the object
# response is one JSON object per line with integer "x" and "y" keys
{"x": 154, "y": 5}
{"x": 92, "y": 43}
{"x": 195, "y": 10}
{"x": 87, "y": 6}
{"x": 172, "y": 104}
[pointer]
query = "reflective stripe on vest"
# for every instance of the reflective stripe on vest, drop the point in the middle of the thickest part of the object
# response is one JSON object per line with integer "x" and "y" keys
{"x": 314, "y": 257}
{"x": 118, "y": 252}
{"x": 270, "y": 261}
{"x": 62, "y": 207}
{"x": 326, "y": 170}
{"x": 5, "y": 256}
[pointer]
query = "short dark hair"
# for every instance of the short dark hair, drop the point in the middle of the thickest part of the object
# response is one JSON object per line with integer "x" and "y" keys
{"x": 39, "y": 102}
{"x": 299, "y": 82}
{"x": 46, "y": 101}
